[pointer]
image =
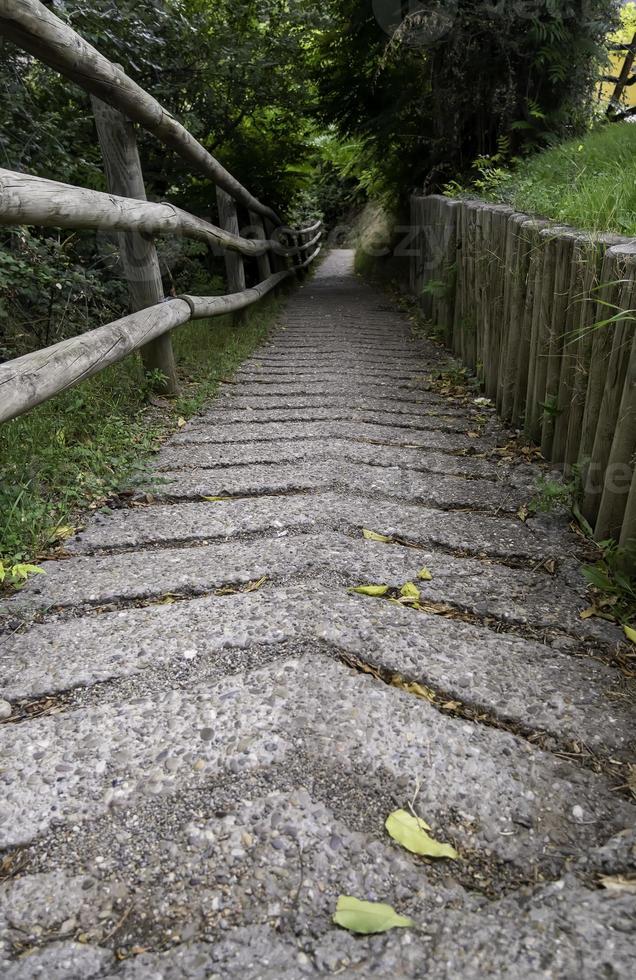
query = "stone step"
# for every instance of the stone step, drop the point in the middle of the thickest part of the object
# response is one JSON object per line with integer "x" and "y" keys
{"x": 478, "y": 534}
{"x": 570, "y": 697}
{"x": 235, "y": 432}
{"x": 431, "y": 490}
{"x": 71, "y": 768}
{"x": 549, "y": 605}
{"x": 311, "y": 451}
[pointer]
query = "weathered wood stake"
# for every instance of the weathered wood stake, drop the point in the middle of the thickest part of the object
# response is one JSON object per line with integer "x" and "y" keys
{"x": 262, "y": 261}
{"x": 139, "y": 259}
{"x": 234, "y": 267}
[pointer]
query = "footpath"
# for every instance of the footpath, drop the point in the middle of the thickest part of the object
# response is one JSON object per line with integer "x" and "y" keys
{"x": 208, "y": 727}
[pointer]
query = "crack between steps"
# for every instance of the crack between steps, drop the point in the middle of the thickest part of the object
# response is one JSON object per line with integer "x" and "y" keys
{"x": 447, "y": 704}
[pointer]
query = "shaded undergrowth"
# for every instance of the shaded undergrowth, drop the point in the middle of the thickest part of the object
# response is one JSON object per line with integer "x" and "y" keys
{"x": 96, "y": 440}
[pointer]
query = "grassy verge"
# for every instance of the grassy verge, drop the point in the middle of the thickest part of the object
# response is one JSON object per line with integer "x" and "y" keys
{"x": 97, "y": 439}
{"x": 589, "y": 182}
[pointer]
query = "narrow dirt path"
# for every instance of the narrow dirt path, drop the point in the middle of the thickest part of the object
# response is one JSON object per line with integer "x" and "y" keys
{"x": 209, "y": 728}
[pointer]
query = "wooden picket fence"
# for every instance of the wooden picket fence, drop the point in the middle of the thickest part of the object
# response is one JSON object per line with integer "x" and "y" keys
{"x": 546, "y": 317}
{"x": 118, "y": 104}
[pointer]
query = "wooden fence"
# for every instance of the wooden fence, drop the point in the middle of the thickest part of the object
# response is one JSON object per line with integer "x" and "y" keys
{"x": 546, "y": 317}
{"x": 118, "y": 104}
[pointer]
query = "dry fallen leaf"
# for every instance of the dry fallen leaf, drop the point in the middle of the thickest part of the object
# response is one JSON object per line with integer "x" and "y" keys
{"x": 619, "y": 883}
{"x": 412, "y": 687}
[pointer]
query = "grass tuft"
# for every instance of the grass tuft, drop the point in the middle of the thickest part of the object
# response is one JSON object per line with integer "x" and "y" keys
{"x": 588, "y": 182}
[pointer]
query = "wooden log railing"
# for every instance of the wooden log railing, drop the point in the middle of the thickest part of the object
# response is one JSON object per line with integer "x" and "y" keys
{"x": 118, "y": 103}
{"x": 546, "y": 318}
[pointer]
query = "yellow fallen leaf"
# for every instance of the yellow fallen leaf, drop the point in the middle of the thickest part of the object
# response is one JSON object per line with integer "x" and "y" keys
{"x": 412, "y": 687}
{"x": 374, "y": 536}
{"x": 62, "y": 532}
{"x": 630, "y": 633}
{"x": 372, "y": 590}
{"x": 410, "y": 592}
{"x": 424, "y": 575}
{"x": 368, "y": 917}
{"x": 213, "y": 500}
{"x": 410, "y": 832}
{"x": 522, "y": 513}
{"x": 588, "y": 613}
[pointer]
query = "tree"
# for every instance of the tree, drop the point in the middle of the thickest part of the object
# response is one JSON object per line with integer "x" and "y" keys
{"x": 233, "y": 71}
{"x": 433, "y": 85}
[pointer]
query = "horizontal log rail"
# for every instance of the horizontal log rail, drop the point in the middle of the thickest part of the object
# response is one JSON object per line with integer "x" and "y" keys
{"x": 34, "y": 28}
{"x": 25, "y": 199}
{"x": 29, "y": 200}
{"x": 32, "y": 379}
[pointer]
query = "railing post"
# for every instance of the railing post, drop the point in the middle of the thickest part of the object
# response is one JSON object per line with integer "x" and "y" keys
{"x": 228, "y": 221}
{"x": 262, "y": 261}
{"x": 301, "y": 238}
{"x": 279, "y": 262}
{"x": 234, "y": 267}
{"x": 139, "y": 259}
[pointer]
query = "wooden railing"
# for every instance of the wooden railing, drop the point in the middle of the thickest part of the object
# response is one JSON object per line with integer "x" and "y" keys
{"x": 118, "y": 104}
{"x": 546, "y": 317}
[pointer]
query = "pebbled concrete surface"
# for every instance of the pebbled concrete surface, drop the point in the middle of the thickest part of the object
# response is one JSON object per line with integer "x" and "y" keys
{"x": 192, "y": 772}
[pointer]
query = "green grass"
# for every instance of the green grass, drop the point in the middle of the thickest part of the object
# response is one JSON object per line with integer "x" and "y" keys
{"x": 589, "y": 183}
{"x": 98, "y": 438}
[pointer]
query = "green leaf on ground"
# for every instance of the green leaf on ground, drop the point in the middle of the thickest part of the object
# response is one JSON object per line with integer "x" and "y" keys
{"x": 372, "y": 590}
{"x": 410, "y": 591}
{"x": 374, "y": 536}
{"x": 410, "y": 832}
{"x": 21, "y": 572}
{"x": 424, "y": 575}
{"x": 368, "y": 917}
{"x": 630, "y": 633}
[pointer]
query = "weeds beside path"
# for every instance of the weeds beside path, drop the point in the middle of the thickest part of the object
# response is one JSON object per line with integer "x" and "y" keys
{"x": 96, "y": 440}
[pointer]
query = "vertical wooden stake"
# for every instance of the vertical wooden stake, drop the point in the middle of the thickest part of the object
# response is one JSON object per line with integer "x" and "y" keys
{"x": 619, "y": 471}
{"x": 138, "y": 253}
{"x": 628, "y": 531}
{"x": 262, "y": 261}
{"x": 234, "y": 267}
